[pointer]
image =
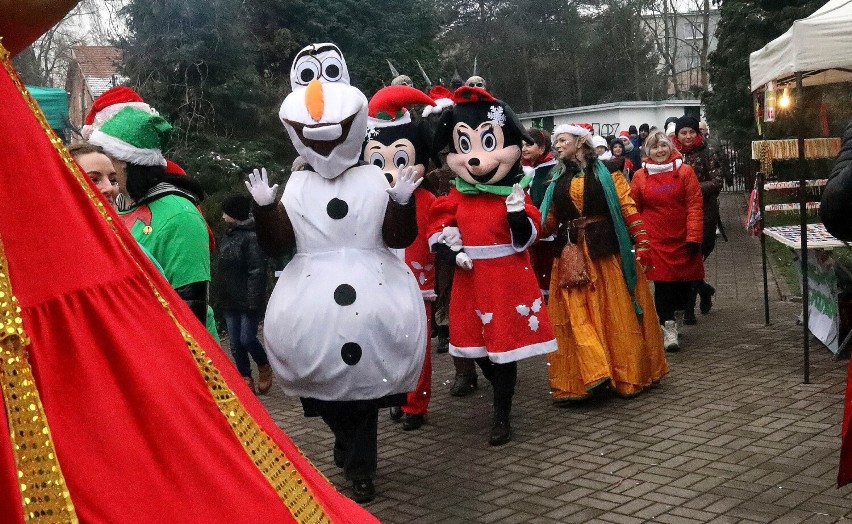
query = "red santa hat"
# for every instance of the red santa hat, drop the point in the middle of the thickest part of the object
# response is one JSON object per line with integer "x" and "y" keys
{"x": 443, "y": 98}
{"x": 109, "y": 104}
{"x": 388, "y": 106}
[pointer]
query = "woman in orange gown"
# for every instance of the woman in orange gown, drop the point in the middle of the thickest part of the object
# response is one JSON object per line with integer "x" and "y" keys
{"x": 607, "y": 329}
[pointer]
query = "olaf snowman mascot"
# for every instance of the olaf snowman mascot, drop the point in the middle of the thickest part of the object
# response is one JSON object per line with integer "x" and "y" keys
{"x": 345, "y": 328}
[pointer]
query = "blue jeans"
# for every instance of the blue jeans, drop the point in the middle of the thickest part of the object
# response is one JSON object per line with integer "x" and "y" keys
{"x": 242, "y": 330}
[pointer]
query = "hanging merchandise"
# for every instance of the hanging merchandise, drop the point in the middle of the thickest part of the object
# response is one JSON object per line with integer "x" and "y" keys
{"x": 769, "y": 103}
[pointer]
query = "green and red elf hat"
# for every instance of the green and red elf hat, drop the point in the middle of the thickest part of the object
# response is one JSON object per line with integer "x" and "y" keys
{"x": 389, "y": 120}
{"x": 389, "y": 106}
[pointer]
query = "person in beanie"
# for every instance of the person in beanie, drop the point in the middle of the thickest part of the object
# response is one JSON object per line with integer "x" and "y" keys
{"x": 644, "y": 130}
{"x": 163, "y": 218}
{"x": 242, "y": 289}
{"x": 704, "y": 161}
{"x": 618, "y": 161}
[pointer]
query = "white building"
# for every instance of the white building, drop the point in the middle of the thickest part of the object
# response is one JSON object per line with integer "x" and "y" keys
{"x": 612, "y": 118}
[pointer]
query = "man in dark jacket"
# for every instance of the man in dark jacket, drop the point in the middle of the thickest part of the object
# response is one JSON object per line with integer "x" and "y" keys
{"x": 836, "y": 206}
{"x": 242, "y": 289}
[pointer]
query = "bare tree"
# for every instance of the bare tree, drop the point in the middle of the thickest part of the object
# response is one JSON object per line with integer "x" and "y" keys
{"x": 681, "y": 30}
{"x": 91, "y": 22}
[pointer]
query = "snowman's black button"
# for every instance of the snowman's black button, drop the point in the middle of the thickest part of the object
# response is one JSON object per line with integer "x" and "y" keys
{"x": 351, "y": 353}
{"x": 344, "y": 295}
{"x": 337, "y": 208}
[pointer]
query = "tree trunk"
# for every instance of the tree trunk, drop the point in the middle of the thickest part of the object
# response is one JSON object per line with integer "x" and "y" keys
{"x": 530, "y": 106}
{"x": 705, "y": 45}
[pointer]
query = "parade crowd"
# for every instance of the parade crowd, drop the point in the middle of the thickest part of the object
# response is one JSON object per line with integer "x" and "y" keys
{"x": 516, "y": 243}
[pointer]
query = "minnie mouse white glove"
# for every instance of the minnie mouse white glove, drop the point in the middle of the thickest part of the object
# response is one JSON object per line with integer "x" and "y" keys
{"x": 406, "y": 183}
{"x": 516, "y": 199}
{"x": 451, "y": 236}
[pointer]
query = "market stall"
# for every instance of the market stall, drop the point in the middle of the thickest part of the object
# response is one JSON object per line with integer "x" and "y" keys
{"x": 816, "y": 50}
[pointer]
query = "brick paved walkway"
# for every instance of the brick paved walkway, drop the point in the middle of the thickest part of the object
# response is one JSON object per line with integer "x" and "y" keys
{"x": 731, "y": 435}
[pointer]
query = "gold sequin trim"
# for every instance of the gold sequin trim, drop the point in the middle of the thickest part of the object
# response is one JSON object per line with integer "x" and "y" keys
{"x": 44, "y": 495}
{"x": 269, "y": 458}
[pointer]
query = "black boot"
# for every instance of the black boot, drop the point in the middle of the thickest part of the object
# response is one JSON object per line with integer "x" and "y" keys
{"x": 411, "y": 422}
{"x": 363, "y": 490}
{"x": 396, "y": 413}
{"x": 501, "y": 430}
{"x": 706, "y": 292}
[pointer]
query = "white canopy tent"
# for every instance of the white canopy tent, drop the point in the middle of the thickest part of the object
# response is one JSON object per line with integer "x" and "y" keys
{"x": 815, "y": 50}
{"x": 819, "y": 47}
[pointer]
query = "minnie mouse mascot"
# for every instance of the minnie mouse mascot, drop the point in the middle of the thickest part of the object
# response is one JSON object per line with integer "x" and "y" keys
{"x": 485, "y": 226}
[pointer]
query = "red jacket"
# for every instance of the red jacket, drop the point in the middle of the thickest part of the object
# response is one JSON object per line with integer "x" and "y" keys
{"x": 668, "y": 197}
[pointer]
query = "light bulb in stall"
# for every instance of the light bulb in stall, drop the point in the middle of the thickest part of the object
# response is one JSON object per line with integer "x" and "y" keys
{"x": 785, "y": 100}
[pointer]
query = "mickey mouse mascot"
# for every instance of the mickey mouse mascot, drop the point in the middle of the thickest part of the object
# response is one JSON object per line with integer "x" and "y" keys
{"x": 345, "y": 327}
{"x": 394, "y": 141}
{"x": 485, "y": 225}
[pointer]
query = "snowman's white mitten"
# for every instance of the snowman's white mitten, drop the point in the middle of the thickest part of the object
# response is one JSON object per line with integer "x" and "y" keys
{"x": 258, "y": 185}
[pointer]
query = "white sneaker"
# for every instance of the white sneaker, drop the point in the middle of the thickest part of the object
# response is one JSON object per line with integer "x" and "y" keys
{"x": 670, "y": 336}
{"x": 679, "y": 321}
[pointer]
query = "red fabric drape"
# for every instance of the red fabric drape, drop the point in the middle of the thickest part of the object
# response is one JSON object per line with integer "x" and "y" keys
{"x": 138, "y": 435}
{"x": 844, "y": 475}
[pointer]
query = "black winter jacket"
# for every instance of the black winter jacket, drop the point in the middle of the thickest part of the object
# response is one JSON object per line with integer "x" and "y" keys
{"x": 836, "y": 206}
{"x": 242, "y": 269}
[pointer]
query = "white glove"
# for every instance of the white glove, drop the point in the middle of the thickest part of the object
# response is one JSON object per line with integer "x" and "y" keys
{"x": 464, "y": 261}
{"x": 450, "y": 236}
{"x": 516, "y": 199}
{"x": 258, "y": 186}
{"x": 406, "y": 183}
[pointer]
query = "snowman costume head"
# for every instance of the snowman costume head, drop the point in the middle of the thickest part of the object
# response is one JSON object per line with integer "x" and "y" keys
{"x": 325, "y": 117}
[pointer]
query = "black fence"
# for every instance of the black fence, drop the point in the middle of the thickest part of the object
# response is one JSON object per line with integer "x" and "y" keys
{"x": 738, "y": 169}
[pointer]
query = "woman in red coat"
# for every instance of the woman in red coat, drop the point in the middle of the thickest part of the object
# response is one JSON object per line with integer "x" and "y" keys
{"x": 668, "y": 196}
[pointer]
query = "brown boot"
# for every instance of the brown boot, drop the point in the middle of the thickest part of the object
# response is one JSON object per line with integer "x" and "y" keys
{"x": 249, "y": 383}
{"x": 264, "y": 379}
{"x": 463, "y": 385}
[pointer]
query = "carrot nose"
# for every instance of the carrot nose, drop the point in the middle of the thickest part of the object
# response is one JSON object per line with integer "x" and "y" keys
{"x": 314, "y": 99}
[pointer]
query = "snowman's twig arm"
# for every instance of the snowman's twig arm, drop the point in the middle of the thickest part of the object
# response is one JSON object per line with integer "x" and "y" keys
{"x": 399, "y": 228}
{"x": 274, "y": 229}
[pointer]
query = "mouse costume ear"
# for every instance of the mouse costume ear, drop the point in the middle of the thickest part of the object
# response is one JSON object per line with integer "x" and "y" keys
{"x": 424, "y": 132}
{"x": 444, "y": 131}
{"x": 513, "y": 122}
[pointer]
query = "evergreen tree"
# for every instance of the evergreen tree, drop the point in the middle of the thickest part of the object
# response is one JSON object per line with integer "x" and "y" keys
{"x": 745, "y": 26}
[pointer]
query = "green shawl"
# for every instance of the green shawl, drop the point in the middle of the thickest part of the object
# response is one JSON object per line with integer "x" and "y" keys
{"x": 625, "y": 243}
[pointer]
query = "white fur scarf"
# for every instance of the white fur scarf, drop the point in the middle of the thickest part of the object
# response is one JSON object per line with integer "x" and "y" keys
{"x": 656, "y": 169}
